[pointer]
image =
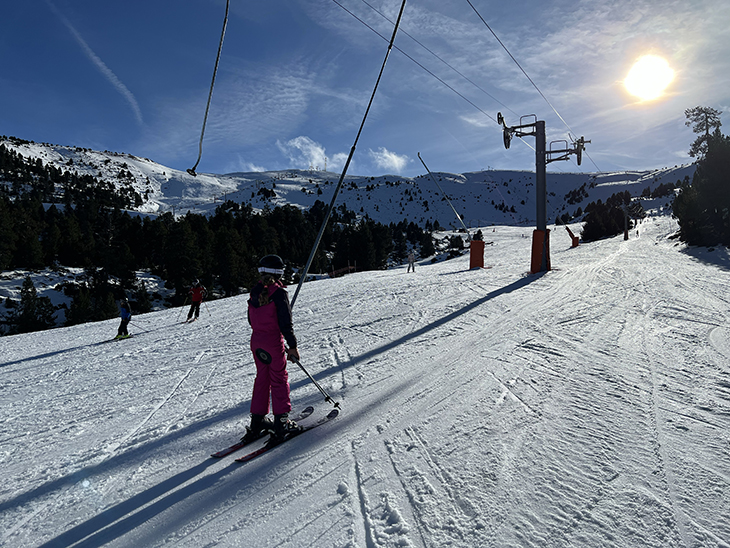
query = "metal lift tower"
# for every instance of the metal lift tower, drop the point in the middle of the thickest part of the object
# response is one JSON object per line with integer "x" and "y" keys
{"x": 540, "y": 260}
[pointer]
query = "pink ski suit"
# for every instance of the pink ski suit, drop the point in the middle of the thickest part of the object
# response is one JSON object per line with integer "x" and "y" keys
{"x": 271, "y": 324}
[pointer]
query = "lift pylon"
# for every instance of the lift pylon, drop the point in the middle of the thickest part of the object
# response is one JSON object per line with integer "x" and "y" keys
{"x": 540, "y": 261}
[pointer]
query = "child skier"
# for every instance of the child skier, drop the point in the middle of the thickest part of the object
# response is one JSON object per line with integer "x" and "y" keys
{"x": 198, "y": 293}
{"x": 269, "y": 314}
{"x": 411, "y": 262}
{"x": 125, "y": 311}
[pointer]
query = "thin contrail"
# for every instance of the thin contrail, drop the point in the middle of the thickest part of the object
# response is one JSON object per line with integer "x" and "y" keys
{"x": 106, "y": 71}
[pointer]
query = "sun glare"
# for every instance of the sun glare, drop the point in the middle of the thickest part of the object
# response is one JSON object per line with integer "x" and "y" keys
{"x": 649, "y": 77}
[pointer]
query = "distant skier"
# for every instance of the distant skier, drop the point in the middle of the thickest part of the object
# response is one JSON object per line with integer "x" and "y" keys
{"x": 125, "y": 311}
{"x": 411, "y": 262}
{"x": 198, "y": 293}
{"x": 269, "y": 314}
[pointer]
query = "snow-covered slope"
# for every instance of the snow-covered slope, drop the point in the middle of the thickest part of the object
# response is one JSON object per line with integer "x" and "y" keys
{"x": 483, "y": 198}
{"x": 588, "y": 406}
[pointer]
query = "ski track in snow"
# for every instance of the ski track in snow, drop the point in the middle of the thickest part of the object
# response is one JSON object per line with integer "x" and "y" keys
{"x": 588, "y": 406}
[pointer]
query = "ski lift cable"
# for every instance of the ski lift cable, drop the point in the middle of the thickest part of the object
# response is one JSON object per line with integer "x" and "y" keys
{"x": 441, "y": 59}
{"x": 349, "y": 159}
{"x": 210, "y": 93}
{"x": 468, "y": 236}
{"x": 518, "y": 65}
{"x": 526, "y": 75}
{"x": 526, "y": 143}
{"x": 431, "y": 73}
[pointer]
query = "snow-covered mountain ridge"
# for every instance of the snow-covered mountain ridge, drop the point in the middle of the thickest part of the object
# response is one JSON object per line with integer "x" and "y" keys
{"x": 483, "y": 198}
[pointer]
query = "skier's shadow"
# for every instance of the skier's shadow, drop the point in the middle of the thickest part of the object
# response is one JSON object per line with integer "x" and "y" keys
{"x": 124, "y": 517}
{"x": 121, "y": 518}
{"x": 140, "y": 453}
{"x": 77, "y": 348}
{"x": 129, "y": 514}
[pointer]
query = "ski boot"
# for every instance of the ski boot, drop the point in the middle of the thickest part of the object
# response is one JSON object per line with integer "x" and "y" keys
{"x": 259, "y": 427}
{"x": 284, "y": 428}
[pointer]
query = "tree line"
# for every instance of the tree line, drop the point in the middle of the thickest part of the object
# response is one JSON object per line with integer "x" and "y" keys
{"x": 609, "y": 218}
{"x": 222, "y": 250}
{"x": 22, "y": 177}
{"x": 702, "y": 207}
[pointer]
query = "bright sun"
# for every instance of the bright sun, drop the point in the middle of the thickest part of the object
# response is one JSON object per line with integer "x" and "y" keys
{"x": 649, "y": 77}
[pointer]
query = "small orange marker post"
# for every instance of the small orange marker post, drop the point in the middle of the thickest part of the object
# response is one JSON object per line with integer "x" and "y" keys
{"x": 573, "y": 238}
{"x": 540, "y": 251}
{"x": 476, "y": 254}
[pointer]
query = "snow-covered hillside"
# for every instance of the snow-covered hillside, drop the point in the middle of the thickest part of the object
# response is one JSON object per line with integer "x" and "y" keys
{"x": 588, "y": 407}
{"x": 483, "y": 198}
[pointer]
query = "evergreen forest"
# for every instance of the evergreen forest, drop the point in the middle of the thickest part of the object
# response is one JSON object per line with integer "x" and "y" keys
{"x": 50, "y": 218}
{"x": 703, "y": 207}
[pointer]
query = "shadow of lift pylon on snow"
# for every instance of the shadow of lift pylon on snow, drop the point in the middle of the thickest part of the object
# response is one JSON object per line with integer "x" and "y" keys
{"x": 514, "y": 286}
{"x": 125, "y": 516}
{"x": 72, "y": 349}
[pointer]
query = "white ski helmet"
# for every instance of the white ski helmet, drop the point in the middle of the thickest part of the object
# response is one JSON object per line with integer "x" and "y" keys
{"x": 271, "y": 264}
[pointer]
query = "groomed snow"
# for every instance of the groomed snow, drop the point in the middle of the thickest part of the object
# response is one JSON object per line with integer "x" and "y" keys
{"x": 586, "y": 407}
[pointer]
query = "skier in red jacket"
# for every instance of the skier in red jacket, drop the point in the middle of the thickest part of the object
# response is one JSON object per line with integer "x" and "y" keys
{"x": 269, "y": 314}
{"x": 198, "y": 293}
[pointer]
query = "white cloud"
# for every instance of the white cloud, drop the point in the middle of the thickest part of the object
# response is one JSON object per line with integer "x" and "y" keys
{"x": 253, "y": 167}
{"x": 304, "y": 153}
{"x": 106, "y": 71}
{"x": 389, "y": 161}
{"x": 242, "y": 166}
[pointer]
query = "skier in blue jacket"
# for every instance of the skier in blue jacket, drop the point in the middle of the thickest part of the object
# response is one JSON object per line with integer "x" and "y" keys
{"x": 125, "y": 311}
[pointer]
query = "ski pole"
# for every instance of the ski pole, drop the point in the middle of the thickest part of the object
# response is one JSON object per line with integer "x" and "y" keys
{"x": 140, "y": 326}
{"x": 208, "y": 309}
{"x": 181, "y": 309}
{"x": 327, "y": 397}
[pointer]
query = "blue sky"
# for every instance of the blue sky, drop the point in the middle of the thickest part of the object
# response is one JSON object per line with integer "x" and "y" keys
{"x": 295, "y": 77}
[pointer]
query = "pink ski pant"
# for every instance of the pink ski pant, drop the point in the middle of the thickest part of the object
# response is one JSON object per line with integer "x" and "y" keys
{"x": 272, "y": 379}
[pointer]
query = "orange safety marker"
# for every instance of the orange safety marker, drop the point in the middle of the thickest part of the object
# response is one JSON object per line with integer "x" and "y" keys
{"x": 540, "y": 251}
{"x": 476, "y": 254}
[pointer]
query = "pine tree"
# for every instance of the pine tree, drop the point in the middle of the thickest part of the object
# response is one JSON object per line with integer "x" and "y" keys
{"x": 28, "y": 221}
{"x": 34, "y": 313}
{"x": 604, "y": 220}
{"x": 7, "y": 234}
{"x": 81, "y": 310}
{"x": 703, "y": 208}
{"x": 400, "y": 250}
{"x": 427, "y": 247}
{"x": 705, "y": 121}
{"x": 142, "y": 302}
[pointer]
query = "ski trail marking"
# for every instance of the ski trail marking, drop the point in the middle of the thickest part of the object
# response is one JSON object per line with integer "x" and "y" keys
{"x": 113, "y": 448}
{"x": 126, "y": 438}
{"x": 507, "y": 390}
{"x": 362, "y": 497}
{"x": 680, "y": 518}
{"x": 197, "y": 395}
{"x": 417, "y": 517}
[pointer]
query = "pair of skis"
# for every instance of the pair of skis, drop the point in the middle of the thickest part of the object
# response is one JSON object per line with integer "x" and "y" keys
{"x": 269, "y": 444}
{"x": 118, "y": 338}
